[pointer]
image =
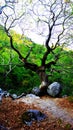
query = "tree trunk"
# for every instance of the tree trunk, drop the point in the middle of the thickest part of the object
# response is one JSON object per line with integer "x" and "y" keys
{"x": 44, "y": 79}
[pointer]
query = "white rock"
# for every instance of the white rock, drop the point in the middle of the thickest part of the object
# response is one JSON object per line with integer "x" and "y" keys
{"x": 14, "y": 96}
{"x": 54, "y": 89}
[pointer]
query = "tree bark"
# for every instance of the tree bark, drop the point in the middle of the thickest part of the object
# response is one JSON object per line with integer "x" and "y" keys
{"x": 44, "y": 79}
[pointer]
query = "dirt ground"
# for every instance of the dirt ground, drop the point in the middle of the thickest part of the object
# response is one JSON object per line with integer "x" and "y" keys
{"x": 11, "y": 112}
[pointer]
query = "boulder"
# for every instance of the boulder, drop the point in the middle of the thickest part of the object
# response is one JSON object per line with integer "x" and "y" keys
{"x": 32, "y": 115}
{"x": 54, "y": 89}
{"x": 36, "y": 91}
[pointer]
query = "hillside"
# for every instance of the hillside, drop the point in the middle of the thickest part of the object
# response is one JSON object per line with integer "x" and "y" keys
{"x": 16, "y": 79}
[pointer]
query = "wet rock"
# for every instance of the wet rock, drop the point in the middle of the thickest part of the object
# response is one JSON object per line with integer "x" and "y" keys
{"x": 32, "y": 115}
{"x": 54, "y": 89}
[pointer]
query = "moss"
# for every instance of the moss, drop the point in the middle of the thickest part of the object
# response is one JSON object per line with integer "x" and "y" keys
{"x": 68, "y": 127}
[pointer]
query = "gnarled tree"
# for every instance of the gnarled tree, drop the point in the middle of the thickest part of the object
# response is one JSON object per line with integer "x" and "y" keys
{"x": 51, "y": 18}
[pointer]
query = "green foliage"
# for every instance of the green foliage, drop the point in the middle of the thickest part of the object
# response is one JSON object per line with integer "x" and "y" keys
{"x": 17, "y": 79}
{"x": 62, "y": 71}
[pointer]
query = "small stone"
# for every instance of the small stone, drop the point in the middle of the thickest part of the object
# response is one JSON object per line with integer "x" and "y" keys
{"x": 64, "y": 96}
{"x": 7, "y": 95}
{"x": 36, "y": 91}
{"x": 14, "y": 96}
{"x": 1, "y": 90}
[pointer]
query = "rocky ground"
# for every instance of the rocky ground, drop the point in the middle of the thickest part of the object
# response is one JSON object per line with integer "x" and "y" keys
{"x": 59, "y": 113}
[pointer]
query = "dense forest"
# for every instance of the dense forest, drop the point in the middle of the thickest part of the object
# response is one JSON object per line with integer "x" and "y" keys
{"x": 36, "y": 64}
{"x": 17, "y": 79}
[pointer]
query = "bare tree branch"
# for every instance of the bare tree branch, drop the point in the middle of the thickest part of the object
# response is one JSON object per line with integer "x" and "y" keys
{"x": 52, "y": 15}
